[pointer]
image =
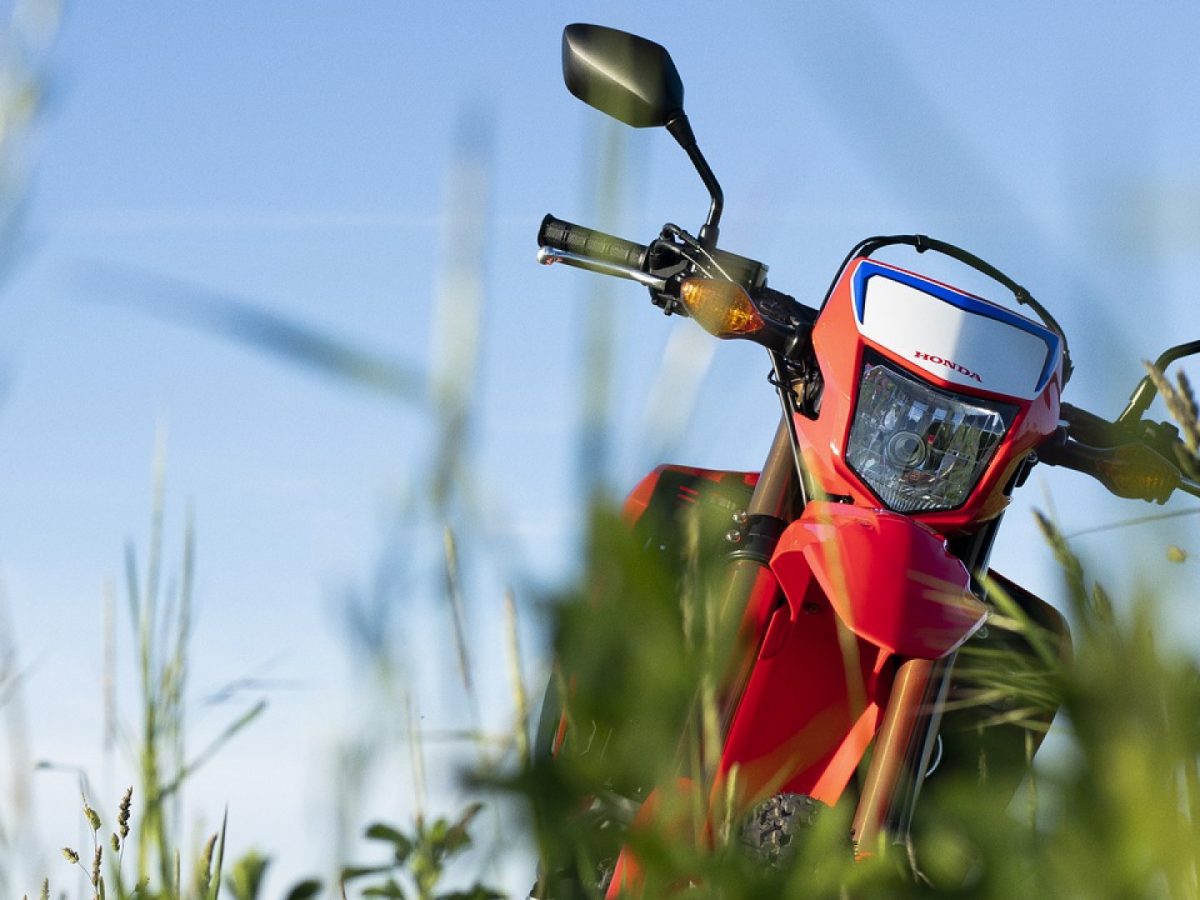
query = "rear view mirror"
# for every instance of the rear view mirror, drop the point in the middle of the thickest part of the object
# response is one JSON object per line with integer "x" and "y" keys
{"x": 628, "y": 77}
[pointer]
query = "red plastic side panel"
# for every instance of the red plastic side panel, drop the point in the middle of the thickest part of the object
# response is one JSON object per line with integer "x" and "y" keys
{"x": 670, "y": 810}
{"x": 640, "y": 497}
{"x": 890, "y": 579}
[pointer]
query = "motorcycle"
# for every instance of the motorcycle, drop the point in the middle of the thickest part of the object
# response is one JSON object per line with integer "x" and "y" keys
{"x": 858, "y": 555}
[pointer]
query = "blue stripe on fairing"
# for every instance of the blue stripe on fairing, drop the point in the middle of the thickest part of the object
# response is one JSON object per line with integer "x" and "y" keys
{"x": 868, "y": 268}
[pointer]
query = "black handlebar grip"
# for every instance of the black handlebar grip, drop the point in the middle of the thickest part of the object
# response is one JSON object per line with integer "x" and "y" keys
{"x": 1089, "y": 428}
{"x": 560, "y": 235}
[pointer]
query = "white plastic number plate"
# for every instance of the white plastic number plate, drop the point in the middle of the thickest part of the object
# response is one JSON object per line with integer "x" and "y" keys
{"x": 952, "y": 343}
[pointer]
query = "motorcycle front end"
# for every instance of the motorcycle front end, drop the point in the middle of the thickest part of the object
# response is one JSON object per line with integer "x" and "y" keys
{"x": 856, "y": 558}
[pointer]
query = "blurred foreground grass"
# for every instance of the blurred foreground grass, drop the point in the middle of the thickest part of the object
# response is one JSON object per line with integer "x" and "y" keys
{"x": 1115, "y": 812}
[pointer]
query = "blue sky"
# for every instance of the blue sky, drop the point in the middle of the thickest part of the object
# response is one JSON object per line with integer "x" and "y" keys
{"x": 298, "y": 156}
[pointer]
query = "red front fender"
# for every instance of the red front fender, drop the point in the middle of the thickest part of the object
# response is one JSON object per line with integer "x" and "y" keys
{"x": 890, "y": 580}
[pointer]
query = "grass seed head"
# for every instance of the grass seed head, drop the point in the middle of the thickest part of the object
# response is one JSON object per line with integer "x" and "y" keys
{"x": 71, "y": 855}
{"x": 209, "y": 847}
{"x": 123, "y": 812}
{"x": 115, "y": 843}
{"x": 92, "y": 816}
{"x": 97, "y": 858}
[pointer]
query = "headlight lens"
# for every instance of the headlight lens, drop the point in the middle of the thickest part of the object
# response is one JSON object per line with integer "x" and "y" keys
{"x": 921, "y": 449}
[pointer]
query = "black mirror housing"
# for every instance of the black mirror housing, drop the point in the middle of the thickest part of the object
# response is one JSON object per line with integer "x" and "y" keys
{"x": 625, "y": 76}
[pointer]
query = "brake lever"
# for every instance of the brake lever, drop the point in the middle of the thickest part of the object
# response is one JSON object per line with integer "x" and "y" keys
{"x": 548, "y": 256}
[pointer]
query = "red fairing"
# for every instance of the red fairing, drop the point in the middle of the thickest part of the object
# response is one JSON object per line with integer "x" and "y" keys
{"x": 862, "y": 588}
{"x": 890, "y": 579}
{"x": 810, "y": 709}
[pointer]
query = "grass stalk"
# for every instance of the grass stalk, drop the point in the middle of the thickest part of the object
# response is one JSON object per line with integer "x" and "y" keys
{"x": 517, "y": 680}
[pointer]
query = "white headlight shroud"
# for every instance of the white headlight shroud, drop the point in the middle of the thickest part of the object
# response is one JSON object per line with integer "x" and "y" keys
{"x": 952, "y": 335}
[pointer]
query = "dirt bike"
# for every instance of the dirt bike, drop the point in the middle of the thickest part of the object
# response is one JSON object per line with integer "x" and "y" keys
{"x": 911, "y": 410}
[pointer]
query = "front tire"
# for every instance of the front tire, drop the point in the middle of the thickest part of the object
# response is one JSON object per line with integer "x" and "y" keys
{"x": 774, "y": 828}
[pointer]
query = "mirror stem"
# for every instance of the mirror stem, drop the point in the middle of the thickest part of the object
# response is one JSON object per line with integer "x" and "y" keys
{"x": 1144, "y": 393}
{"x": 681, "y": 130}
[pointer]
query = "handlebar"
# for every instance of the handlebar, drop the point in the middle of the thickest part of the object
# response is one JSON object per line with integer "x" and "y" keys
{"x": 1139, "y": 461}
{"x": 1091, "y": 429}
{"x": 1132, "y": 458}
{"x": 672, "y": 256}
{"x": 590, "y": 243}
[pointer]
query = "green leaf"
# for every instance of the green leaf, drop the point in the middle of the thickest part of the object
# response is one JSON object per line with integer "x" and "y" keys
{"x": 456, "y": 839}
{"x": 349, "y": 873}
{"x": 468, "y": 814}
{"x": 477, "y": 892}
{"x": 246, "y": 875}
{"x": 305, "y": 890}
{"x": 437, "y": 832}
{"x": 222, "y": 314}
{"x": 390, "y": 889}
{"x": 381, "y": 831}
{"x": 402, "y": 843}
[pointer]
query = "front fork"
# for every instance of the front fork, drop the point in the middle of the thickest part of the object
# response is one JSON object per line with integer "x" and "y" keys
{"x": 779, "y": 496}
{"x": 901, "y": 754}
{"x": 751, "y": 589}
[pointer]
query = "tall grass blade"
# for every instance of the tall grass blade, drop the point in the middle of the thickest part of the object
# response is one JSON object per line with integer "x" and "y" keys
{"x": 170, "y": 788}
{"x": 671, "y": 399}
{"x": 1134, "y": 521}
{"x": 16, "y": 787}
{"x": 25, "y": 41}
{"x": 454, "y": 599}
{"x": 416, "y": 754}
{"x": 214, "y": 884}
{"x": 161, "y": 623}
{"x": 458, "y": 312}
{"x": 108, "y": 687}
{"x": 520, "y": 697}
{"x": 226, "y": 316}
{"x": 595, "y": 402}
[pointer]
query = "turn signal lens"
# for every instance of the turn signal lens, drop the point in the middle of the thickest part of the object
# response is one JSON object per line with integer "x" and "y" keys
{"x": 1138, "y": 473}
{"x": 721, "y": 308}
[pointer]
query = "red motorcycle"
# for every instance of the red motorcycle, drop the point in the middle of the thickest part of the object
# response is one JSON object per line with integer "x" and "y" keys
{"x": 911, "y": 410}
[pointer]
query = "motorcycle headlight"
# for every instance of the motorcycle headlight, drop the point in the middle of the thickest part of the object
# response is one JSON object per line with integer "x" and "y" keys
{"x": 921, "y": 449}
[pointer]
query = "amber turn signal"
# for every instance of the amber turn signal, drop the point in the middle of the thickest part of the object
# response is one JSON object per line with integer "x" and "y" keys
{"x": 1137, "y": 472}
{"x": 721, "y": 308}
